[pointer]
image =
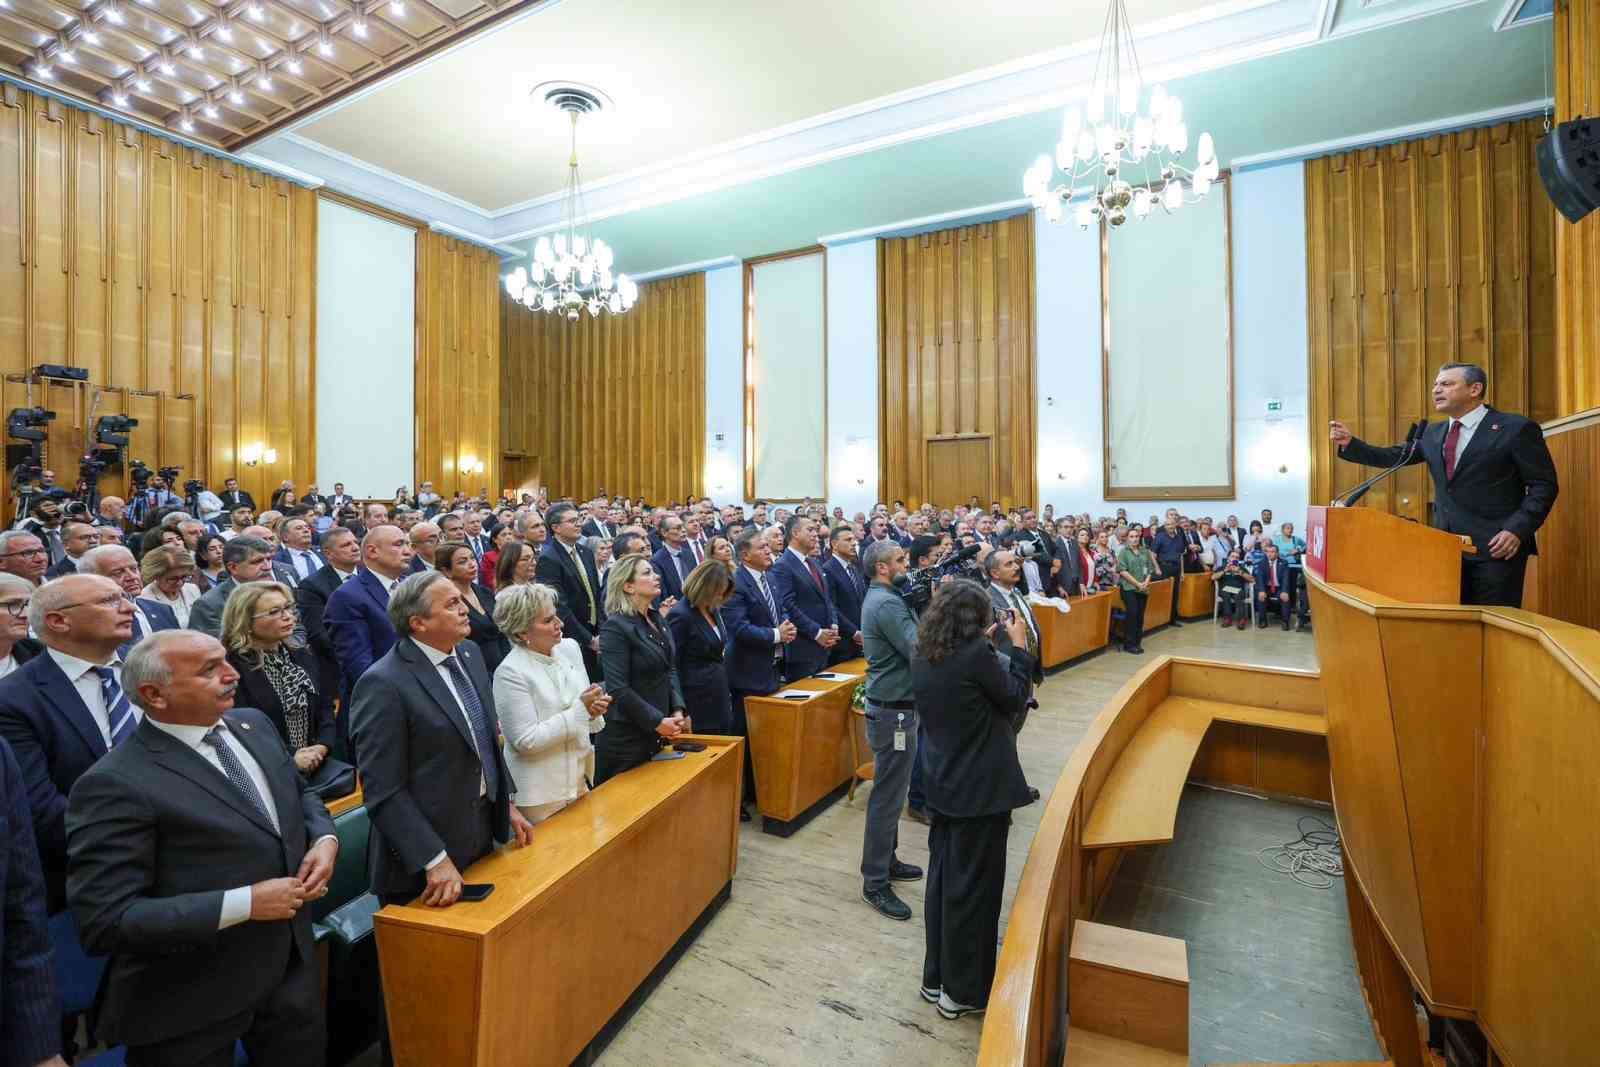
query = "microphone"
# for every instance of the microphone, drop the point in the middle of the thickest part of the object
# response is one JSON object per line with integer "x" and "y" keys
{"x": 1408, "y": 450}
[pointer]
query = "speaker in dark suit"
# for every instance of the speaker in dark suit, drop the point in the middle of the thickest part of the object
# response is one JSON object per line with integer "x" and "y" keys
{"x": 1493, "y": 481}
{"x": 193, "y": 846}
{"x": 805, "y": 601}
{"x": 580, "y": 599}
{"x": 425, "y": 736}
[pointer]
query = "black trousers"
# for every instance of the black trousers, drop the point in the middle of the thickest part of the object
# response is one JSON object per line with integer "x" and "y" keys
{"x": 1233, "y": 604}
{"x": 1133, "y": 618}
{"x": 286, "y": 1027}
{"x": 966, "y": 879}
{"x": 1493, "y": 581}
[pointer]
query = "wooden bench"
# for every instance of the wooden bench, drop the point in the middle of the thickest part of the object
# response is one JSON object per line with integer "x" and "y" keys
{"x": 1130, "y": 985}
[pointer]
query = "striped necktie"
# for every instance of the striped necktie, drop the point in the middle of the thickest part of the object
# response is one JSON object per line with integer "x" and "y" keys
{"x": 119, "y": 712}
{"x": 233, "y": 770}
{"x": 483, "y": 733}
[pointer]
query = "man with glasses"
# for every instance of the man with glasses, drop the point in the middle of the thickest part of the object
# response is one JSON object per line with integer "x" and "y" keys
{"x": 65, "y": 709}
{"x": 569, "y": 568}
{"x": 118, "y": 564}
{"x": 23, "y": 554}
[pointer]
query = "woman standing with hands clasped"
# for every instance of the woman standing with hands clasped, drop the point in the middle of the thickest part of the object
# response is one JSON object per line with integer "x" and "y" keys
{"x": 1137, "y": 568}
{"x": 548, "y": 709}
{"x": 639, "y": 661}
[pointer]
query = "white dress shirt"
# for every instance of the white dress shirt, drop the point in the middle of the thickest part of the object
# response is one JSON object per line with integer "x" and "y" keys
{"x": 305, "y": 564}
{"x": 8, "y": 664}
{"x": 235, "y": 902}
{"x": 761, "y": 583}
{"x": 437, "y": 658}
{"x": 1469, "y": 425}
{"x": 81, "y": 673}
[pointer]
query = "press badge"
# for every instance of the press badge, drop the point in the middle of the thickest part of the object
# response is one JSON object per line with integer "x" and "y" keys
{"x": 900, "y": 735}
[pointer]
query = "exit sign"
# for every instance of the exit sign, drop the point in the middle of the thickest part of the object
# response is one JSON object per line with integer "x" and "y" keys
{"x": 1274, "y": 409}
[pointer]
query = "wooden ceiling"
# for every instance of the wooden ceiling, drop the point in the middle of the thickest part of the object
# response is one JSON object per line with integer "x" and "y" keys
{"x": 227, "y": 73}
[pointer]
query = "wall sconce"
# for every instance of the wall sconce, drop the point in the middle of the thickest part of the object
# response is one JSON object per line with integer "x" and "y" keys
{"x": 471, "y": 465}
{"x": 258, "y": 453}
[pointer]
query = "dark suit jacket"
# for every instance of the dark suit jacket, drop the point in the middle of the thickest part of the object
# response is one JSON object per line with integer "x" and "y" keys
{"x": 848, "y": 589}
{"x": 156, "y": 836}
{"x": 236, "y": 499}
{"x": 31, "y": 1014}
{"x": 1002, "y": 640}
{"x": 808, "y": 607}
{"x": 312, "y": 599}
{"x": 494, "y": 645}
{"x": 555, "y": 569}
{"x": 1284, "y": 581}
{"x": 357, "y": 623}
{"x": 750, "y": 661}
{"x": 700, "y": 654}
{"x": 206, "y": 613}
{"x": 420, "y": 767}
{"x": 967, "y": 703}
{"x": 671, "y": 581}
{"x": 256, "y": 692}
{"x": 61, "y": 567}
{"x": 1504, "y": 478}
{"x": 640, "y": 664}
{"x": 55, "y": 739}
{"x": 592, "y": 529}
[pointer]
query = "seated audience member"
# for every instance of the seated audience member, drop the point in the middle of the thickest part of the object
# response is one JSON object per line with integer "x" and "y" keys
{"x": 161, "y": 535}
{"x": 199, "y": 903}
{"x": 517, "y": 565}
{"x": 700, "y": 643}
{"x": 165, "y": 572}
{"x": 118, "y": 564}
{"x": 64, "y": 709}
{"x": 246, "y": 559}
{"x": 532, "y": 531}
{"x": 848, "y": 587}
{"x": 548, "y": 708}
{"x": 490, "y": 563}
{"x": 23, "y": 554}
{"x": 454, "y": 561}
{"x": 967, "y": 697}
{"x": 76, "y": 539}
{"x": 1233, "y": 586}
{"x": 239, "y": 519}
{"x": 297, "y": 553}
{"x": 804, "y": 600}
{"x": 1274, "y": 586}
{"x": 640, "y": 664}
{"x": 278, "y": 675}
{"x": 16, "y": 647}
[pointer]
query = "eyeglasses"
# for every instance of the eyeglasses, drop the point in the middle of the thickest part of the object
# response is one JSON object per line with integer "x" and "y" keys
{"x": 283, "y": 611}
{"x": 23, "y": 552}
{"x": 18, "y": 608}
{"x": 109, "y": 601}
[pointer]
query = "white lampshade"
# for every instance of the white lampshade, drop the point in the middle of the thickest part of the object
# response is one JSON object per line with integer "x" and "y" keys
{"x": 614, "y": 304}
{"x": 1205, "y": 149}
{"x": 1172, "y": 197}
{"x": 542, "y": 253}
{"x": 1201, "y": 185}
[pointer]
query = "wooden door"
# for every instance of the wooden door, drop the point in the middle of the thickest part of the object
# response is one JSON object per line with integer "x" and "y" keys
{"x": 520, "y": 474}
{"x": 959, "y": 468}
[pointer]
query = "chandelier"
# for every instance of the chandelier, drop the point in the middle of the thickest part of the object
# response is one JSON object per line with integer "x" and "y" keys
{"x": 572, "y": 272}
{"x": 1119, "y": 158}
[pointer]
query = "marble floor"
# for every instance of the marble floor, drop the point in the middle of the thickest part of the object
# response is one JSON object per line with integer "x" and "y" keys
{"x": 797, "y": 969}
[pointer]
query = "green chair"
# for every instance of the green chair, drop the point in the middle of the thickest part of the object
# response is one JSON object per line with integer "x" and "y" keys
{"x": 343, "y": 921}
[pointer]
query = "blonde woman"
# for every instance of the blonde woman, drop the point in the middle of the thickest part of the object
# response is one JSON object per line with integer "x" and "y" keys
{"x": 547, "y": 708}
{"x": 639, "y": 661}
{"x": 166, "y": 571}
{"x": 278, "y": 674}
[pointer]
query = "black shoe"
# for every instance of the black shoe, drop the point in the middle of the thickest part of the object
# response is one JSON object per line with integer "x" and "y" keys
{"x": 904, "y": 872}
{"x": 1261, "y": 623}
{"x": 1285, "y": 625}
{"x": 744, "y": 813}
{"x": 887, "y": 904}
{"x": 1137, "y": 651}
{"x": 916, "y": 815}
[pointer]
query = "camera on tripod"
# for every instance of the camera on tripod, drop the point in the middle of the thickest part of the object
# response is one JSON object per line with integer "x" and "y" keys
{"x": 28, "y": 424}
{"x": 111, "y": 431}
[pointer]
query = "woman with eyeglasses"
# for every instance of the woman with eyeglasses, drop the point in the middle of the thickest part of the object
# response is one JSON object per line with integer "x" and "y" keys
{"x": 16, "y": 647}
{"x": 166, "y": 570}
{"x": 277, "y": 673}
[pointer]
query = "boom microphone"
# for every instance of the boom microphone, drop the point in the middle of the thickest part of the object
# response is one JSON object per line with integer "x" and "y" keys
{"x": 1407, "y": 451}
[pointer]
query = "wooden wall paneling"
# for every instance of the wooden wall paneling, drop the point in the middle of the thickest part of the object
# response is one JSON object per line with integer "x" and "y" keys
{"x": 1421, "y": 252}
{"x": 957, "y": 353}
{"x": 1568, "y": 568}
{"x": 14, "y": 161}
{"x": 458, "y": 369}
{"x": 1577, "y": 347}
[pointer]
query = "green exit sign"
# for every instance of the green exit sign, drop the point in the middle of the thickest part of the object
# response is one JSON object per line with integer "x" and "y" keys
{"x": 1274, "y": 407}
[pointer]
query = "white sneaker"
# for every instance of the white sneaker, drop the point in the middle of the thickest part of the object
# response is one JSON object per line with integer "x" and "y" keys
{"x": 931, "y": 995}
{"x": 952, "y": 1010}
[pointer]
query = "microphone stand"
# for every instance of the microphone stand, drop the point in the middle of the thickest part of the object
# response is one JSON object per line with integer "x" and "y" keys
{"x": 1412, "y": 443}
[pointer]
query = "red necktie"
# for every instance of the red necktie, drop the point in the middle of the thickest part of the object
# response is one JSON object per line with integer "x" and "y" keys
{"x": 1272, "y": 577}
{"x": 1450, "y": 438}
{"x": 816, "y": 575}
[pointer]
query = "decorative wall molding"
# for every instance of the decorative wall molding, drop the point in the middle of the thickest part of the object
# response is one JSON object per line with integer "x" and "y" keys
{"x": 1393, "y": 133}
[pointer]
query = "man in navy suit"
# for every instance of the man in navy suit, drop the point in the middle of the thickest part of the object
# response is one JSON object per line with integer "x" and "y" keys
{"x": 27, "y": 984}
{"x": 568, "y": 568}
{"x": 357, "y": 617}
{"x": 296, "y": 552}
{"x": 804, "y": 599}
{"x": 1493, "y": 481}
{"x": 673, "y": 560}
{"x": 1273, "y": 586}
{"x": 63, "y": 710}
{"x": 847, "y": 586}
{"x": 757, "y": 634}
{"x": 118, "y": 564}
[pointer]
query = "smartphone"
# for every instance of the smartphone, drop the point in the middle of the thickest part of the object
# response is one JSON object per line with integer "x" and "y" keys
{"x": 472, "y": 892}
{"x": 797, "y": 696}
{"x": 688, "y": 746}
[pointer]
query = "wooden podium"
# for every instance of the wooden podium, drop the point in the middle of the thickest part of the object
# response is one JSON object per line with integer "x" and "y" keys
{"x": 1462, "y": 742}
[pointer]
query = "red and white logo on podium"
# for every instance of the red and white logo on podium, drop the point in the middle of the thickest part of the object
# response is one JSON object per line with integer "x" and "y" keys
{"x": 1317, "y": 541}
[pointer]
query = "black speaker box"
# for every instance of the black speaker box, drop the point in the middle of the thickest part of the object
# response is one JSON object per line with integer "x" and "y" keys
{"x": 1569, "y": 166}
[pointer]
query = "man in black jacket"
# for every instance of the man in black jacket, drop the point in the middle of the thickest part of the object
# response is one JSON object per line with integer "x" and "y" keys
{"x": 568, "y": 568}
{"x": 192, "y": 850}
{"x": 1493, "y": 480}
{"x": 342, "y": 551}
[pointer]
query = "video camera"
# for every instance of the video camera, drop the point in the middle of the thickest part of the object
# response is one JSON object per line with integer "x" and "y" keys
{"x": 28, "y": 424}
{"x": 962, "y": 563}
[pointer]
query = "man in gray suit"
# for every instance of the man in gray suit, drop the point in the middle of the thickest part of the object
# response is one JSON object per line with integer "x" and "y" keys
{"x": 1005, "y": 577}
{"x": 192, "y": 849}
{"x": 246, "y": 559}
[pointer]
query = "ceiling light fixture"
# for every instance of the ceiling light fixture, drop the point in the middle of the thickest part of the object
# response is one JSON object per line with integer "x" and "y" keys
{"x": 264, "y": 79}
{"x": 294, "y": 65}
{"x": 89, "y": 36}
{"x": 186, "y": 123}
{"x": 141, "y": 83}
{"x": 234, "y": 95}
{"x": 256, "y": 12}
{"x": 358, "y": 22}
{"x": 43, "y": 70}
{"x": 397, "y": 7}
{"x": 195, "y": 51}
{"x": 1103, "y": 141}
{"x": 210, "y": 109}
{"x": 572, "y": 272}
{"x": 119, "y": 97}
{"x": 166, "y": 67}
{"x": 224, "y": 29}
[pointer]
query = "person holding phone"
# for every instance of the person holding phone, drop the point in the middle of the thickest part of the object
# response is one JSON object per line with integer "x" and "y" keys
{"x": 639, "y": 660}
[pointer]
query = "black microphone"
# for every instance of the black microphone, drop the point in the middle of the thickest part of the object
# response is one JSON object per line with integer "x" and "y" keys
{"x": 1412, "y": 443}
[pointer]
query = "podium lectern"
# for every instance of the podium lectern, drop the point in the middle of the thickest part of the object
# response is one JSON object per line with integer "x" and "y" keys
{"x": 1388, "y": 555}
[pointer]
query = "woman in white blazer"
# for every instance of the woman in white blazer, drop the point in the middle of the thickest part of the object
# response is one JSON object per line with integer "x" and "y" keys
{"x": 546, "y": 705}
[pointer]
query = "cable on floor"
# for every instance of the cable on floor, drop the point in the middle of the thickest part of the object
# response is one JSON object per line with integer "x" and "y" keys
{"x": 1314, "y": 860}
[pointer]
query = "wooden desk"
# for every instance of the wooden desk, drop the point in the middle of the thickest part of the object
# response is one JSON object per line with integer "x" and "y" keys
{"x": 578, "y": 920}
{"x": 1084, "y": 629}
{"x": 799, "y": 750}
{"x": 339, "y": 805}
{"x": 1196, "y": 595}
{"x": 1158, "y": 608}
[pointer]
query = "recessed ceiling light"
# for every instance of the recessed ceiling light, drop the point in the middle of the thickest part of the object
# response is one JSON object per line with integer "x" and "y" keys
{"x": 119, "y": 98}
{"x": 294, "y": 65}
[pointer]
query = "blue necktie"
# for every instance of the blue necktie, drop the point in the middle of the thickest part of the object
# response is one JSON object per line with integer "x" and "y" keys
{"x": 119, "y": 712}
{"x": 481, "y": 732}
{"x": 766, "y": 594}
{"x": 138, "y": 635}
{"x": 235, "y": 772}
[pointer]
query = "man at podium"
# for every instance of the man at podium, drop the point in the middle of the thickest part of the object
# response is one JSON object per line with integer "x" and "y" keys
{"x": 1493, "y": 480}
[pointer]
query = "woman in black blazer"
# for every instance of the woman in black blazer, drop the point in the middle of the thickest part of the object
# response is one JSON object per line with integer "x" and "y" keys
{"x": 639, "y": 663}
{"x": 277, "y": 674}
{"x": 455, "y": 561}
{"x": 700, "y": 639}
{"x": 968, "y": 696}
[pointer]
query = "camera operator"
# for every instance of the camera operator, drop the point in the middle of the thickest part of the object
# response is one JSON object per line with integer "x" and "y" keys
{"x": 889, "y": 638}
{"x": 150, "y": 498}
{"x": 44, "y": 522}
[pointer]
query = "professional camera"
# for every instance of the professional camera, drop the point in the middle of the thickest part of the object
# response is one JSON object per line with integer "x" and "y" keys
{"x": 27, "y": 424}
{"x": 112, "y": 430}
{"x": 139, "y": 474}
{"x": 920, "y": 583}
{"x": 194, "y": 487}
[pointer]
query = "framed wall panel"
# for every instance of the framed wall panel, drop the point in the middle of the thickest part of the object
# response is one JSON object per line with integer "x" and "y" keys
{"x": 1166, "y": 287}
{"x": 786, "y": 375}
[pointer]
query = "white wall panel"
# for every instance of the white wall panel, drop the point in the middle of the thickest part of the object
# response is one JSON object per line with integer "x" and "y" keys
{"x": 787, "y": 370}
